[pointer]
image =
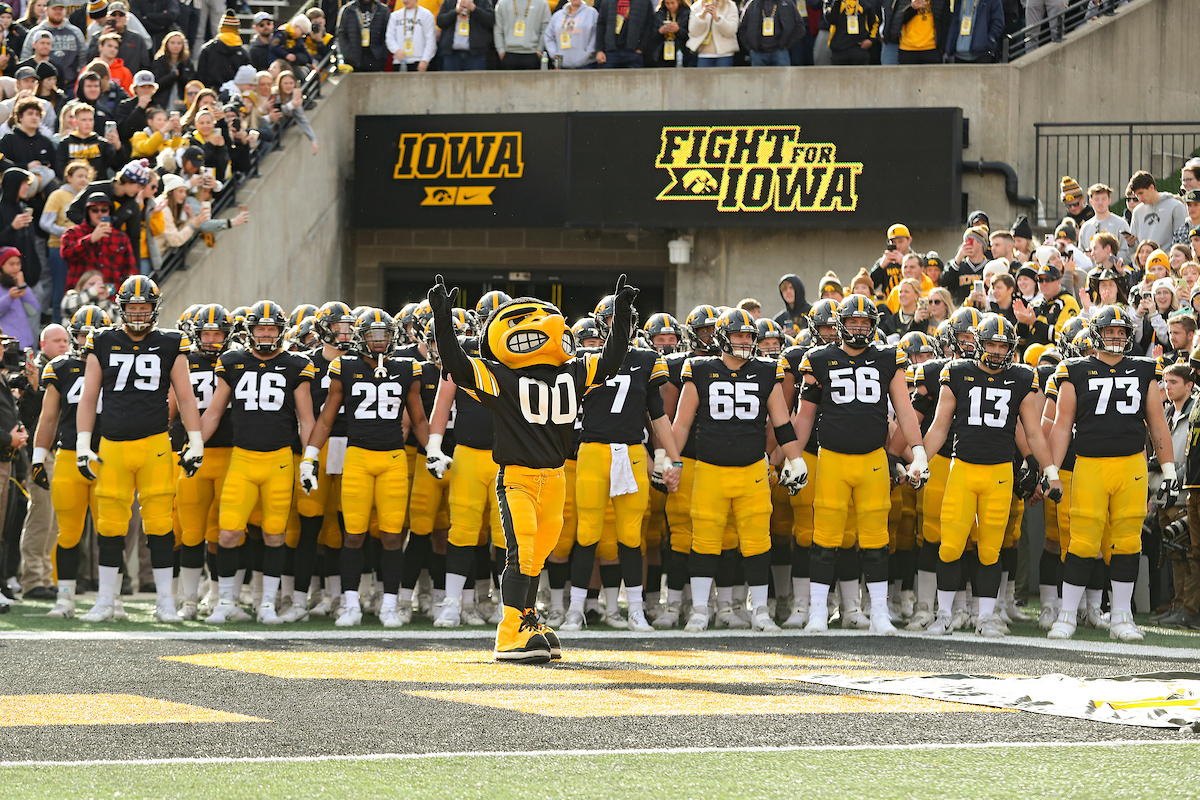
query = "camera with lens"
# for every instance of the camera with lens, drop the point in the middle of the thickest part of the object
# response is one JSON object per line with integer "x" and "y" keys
{"x": 1135, "y": 297}
{"x": 1177, "y": 537}
{"x": 13, "y": 358}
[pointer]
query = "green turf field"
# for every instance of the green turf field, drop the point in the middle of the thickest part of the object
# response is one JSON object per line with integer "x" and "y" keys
{"x": 1135, "y": 771}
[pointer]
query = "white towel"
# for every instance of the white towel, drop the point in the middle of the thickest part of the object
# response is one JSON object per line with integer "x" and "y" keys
{"x": 335, "y": 455}
{"x": 620, "y": 476}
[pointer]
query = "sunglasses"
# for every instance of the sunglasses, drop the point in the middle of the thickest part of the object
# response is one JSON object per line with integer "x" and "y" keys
{"x": 1131, "y": 200}
{"x": 933, "y": 301}
{"x": 1046, "y": 280}
{"x": 1076, "y": 204}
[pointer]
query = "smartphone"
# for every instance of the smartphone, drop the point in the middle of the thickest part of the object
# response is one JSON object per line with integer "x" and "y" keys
{"x": 111, "y": 288}
{"x": 208, "y": 172}
{"x": 978, "y": 287}
{"x": 106, "y": 218}
{"x": 174, "y": 116}
{"x": 891, "y": 247}
{"x": 243, "y": 208}
{"x": 109, "y": 127}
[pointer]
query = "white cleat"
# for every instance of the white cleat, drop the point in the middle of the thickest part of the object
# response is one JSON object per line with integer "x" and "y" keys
{"x": 425, "y": 605}
{"x": 668, "y": 619}
{"x": 119, "y": 610}
{"x": 164, "y": 611}
{"x": 638, "y": 622}
{"x": 921, "y": 620}
{"x": 350, "y": 617}
{"x": 942, "y": 625}
{"x": 762, "y": 621}
{"x": 450, "y": 615}
{"x": 727, "y": 618}
{"x": 1123, "y": 628}
{"x": 189, "y": 611}
{"x": 882, "y": 625}
{"x": 908, "y": 603}
{"x": 323, "y": 607}
{"x": 855, "y": 619}
{"x": 405, "y": 612}
{"x": 64, "y": 606}
{"x": 1002, "y": 614}
{"x": 574, "y": 621}
{"x": 1064, "y": 626}
{"x": 267, "y": 615}
{"x": 961, "y": 620}
{"x": 472, "y": 618}
{"x": 990, "y": 627}
{"x": 390, "y": 617}
{"x": 298, "y": 612}
{"x": 556, "y": 618}
{"x": 818, "y": 621}
{"x": 284, "y": 604}
{"x": 1047, "y": 616}
{"x": 698, "y": 621}
{"x": 227, "y": 611}
{"x": 100, "y": 612}
{"x": 1095, "y": 618}
{"x": 497, "y": 615}
{"x": 613, "y": 619}
{"x": 209, "y": 603}
{"x": 1015, "y": 614}
{"x": 799, "y": 616}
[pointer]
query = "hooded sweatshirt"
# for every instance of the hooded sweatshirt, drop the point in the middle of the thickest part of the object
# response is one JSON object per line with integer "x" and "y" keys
{"x": 798, "y": 309}
{"x": 23, "y": 238}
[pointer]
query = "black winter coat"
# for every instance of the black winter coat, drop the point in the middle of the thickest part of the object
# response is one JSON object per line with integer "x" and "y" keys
{"x": 349, "y": 33}
{"x": 789, "y": 26}
{"x": 24, "y": 238}
{"x": 639, "y": 28}
{"x": 219, "y": 62}
{"x": 483, "y": 19}
{"x": 168, "y": 75}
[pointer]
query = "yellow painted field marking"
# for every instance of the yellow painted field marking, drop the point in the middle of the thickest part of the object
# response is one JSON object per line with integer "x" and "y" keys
{"x": 104, "y": 709}
{"x": 690, "y": 702}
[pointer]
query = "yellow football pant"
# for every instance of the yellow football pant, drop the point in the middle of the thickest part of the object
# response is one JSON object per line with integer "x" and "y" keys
{"x": 592, "y": 472}
{"x": 374, "y": 479}
{"x": 195, "y": 497}
{"x": 1063, "y": 510}
{"x": 429, "y": 502}
{"x": 931, "y": 497}
{"x": 71, "y": 494}
{"x": 741, "y": 492}
{"x": 472, "y": 495}
{"x": 679, "y": 508}
{"x": 144, "y": 466}
{"x": 976, "y": 490}
{"x": 258, "y": 479}
{"x": 781, "y": 507}
{"x": 654, "y": 522}
{"x": 1012, "y": 531}
{"x": 531, "y": 504}
{"x": 566, "y": 539}
{"x": 410, "y": 453}
{"x": 1108, "y": 492}
{"x": 840, "y": 478}
{"x": 321, "y": 500}
{"x": 902, "y": 518}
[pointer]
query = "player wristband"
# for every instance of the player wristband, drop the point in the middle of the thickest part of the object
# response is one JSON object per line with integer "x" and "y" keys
{"x": 311, "y": 453}
{"x": 195, "y": 441}
{"x": 677, "y": 464}
{"x": 39, "y": 455}
{"x": 434, "y": 445}
{"x": 83, "y": 441}
{"x": 785, "y": 433}
{"x": 1168, "y": 471}
{"x": 1051, "y": 472}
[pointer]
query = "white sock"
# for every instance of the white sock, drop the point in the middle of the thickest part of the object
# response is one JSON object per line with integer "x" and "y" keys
{"x": 578, "y": 599}
{"x": 299, "y": 599}
{"x": 110, "y": 579}
{"x": 162, "y": 582}
{"x": 1122, "y": 597}
{"x": 67, "y": 586}
{"x": 945, "y": 602}
{"x": 226, "y": 586}
{"x": 611, "y": 593}
{"x": 468, "y": 596}
{"x": 389, "y": 602}
{"x": 556, "y": 599}
{"x": 333, "y": 585}
{"x": 351, "y": 600}
{"x": 701, "y": 589}
{"x": 849, "y": 592}
{"x": 758, "y": 596}
{"x": 724, "y": 596}
{"x": 287, "y": 585}
{"x": 1071, "y": 595}
{"x": 406, "y": 596}
{"x": 1048, "y": 594}
{"x": 239, "y": 580}
{"x": 270, "y": 589}
{"x": 1010, "y": 593}
{"x": 739, "y": 594}
{"x": 818, "y": 597}
{"x": 438, "y": 596}
{"x": 674, "y": 595}
{"x": 189, "y": 582}
{"x": 455, "y": 585}
{"x": 633, "y": 594}
{"x": 1003, "y": 585}
{"x": 879, "y": 596}
{"x": 800, "y": 590}
{"x": 926, "y": 588}
{"x": 987, "y": 607}
{"x": 960, "y": 601}
{"x": 1094, "y": 597}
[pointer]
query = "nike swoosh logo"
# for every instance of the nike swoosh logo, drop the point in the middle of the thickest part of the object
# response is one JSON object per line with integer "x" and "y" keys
{"x": 1139, "y": 477}
{"x": 281, "y": 368}
{"x": 876, "y": 469}
{"x": 1129, "y": 372}
{"x": 152, "y": 349}
{"x": 759, "y": 480}
{"x": 1009, "y": 383}
{"x": 397, "y": 455}
{"x": 634, "y": 369}
{"x": 284, "y": 466}
{"x": 160, "y": 455}
{"x": 1001, "y": 481}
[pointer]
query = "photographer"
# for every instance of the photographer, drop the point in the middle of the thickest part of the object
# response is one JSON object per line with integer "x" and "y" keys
{"x": 12, "y": 438}
{"x": 1177, "y": 384}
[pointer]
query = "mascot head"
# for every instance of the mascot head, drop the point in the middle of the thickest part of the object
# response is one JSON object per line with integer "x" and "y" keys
{"x": 527, "y": 332}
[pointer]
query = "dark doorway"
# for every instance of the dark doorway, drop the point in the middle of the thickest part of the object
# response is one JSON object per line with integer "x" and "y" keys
{"x": 575, "y": 292}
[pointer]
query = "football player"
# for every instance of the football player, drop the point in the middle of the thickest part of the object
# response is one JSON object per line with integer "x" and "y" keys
{"x": 70, "y": 493}
{"x": 136, "y": 365}
{"x": 729, "y": 398}
{"x": 267, "y": 390}
{"x": 196, "y": 495}
{"x": 981, "y": 401}
{"x": 376, "y": 389}
{"x": 853, "y": 382}
{"x": 611, "y": 469}
{"x": 1110, "y": 400}
{"x": 527, "y": 373}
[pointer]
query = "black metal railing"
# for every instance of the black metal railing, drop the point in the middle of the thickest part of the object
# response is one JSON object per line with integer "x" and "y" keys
{"x": 1106, "y": 152}
{"x": 1053, "y": 29}
{"x": 176, "y": 258}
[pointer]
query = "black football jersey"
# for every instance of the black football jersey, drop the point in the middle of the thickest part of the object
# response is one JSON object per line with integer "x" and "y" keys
{"x": 320, "y": 390}
{"x": 731, "y": 419}
{"x": 263, "y": 403}
{"x": 1110, "y": 404}
{"x": 854, "y": 394}
{"x": 374, "y": 404}
{"x": 675, "y": 362}
{"x": 136, "y": 379}
{"x": 533, "y": 409}
{"x": 987, "y": 409}
{"x": 202, "y": 373}
{"x": 615, "y": 411}
{"x": 431, "y": 378}
{"x": 65, "y": 374}
{"x": 929, "y": 374}
{"x": 412, "y": 351}
{"x": 1051, "y": 390}
{"x": 790, "y": 361}
{"x": 472, "y": 421}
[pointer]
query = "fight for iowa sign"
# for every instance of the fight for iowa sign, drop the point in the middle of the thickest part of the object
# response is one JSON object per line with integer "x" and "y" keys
{"x": 805, "y": 169}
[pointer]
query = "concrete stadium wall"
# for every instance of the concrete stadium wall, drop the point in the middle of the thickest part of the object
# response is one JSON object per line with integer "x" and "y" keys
{"x": 1127, "y": 67}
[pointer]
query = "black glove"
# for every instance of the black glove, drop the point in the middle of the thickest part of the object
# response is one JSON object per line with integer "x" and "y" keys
{"x": 441, "y": 300}
{"x": 624, "y": 294}
{"x": 1053, "y": 495}
{"x": 1168, "y": 491}
{"x": 1027, "y": 478}
{"x": 39, "y": 475}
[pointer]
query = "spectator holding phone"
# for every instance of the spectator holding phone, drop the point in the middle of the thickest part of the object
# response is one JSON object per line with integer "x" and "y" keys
{"x": 712, "y": 32}
{"x": 17, "y": 227}
{"x": 96, "y": 244}
{"x": 288, "y": 100}
{"x": 209, "y": 138}
{"x": 19, "y": 310}
{"x": 160, "y": 133}
{"x": 103, "y": 154}
{"x": 54, "y": 222}
{"x": 90, "y": 289}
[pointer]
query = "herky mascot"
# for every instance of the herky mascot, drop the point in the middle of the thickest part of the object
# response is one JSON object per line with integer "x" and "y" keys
{"x": 531, "y": 379}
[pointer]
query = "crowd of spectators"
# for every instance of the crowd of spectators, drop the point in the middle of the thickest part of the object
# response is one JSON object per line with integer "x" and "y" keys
{"x": 116, "y": 136}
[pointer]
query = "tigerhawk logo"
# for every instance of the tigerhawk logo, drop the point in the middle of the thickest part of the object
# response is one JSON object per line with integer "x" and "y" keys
{"x": 456, "y": 156}
{"x": 756, "y": 168}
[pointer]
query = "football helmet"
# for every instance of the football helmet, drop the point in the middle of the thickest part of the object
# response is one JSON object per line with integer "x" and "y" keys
{"x": 1083, "y": 344}
{"x": 527, "y": 332}
{"x": 238, "y": 316}
{"x": 915, "y": 343}
{"x": 460, "y": 330}
{"x": 995, "y": 328}
{"x": 823, "y": 314}
{"x": 1066, "y": 335}
{"x": 489, "y": 303}
{"x": 663, "y": 324}
{"x": 586, "y": 328}
{"x": 405, "y": 320}
{"x": 185, "y": 319}
{"x": 702, "y": 317}
{"x": 856, "y": 307}
{"x": 266, "y": 312}
{"x": 329, "y": 321}
{"x": 965, "y": 320}
{"x": 374, "y": 333}
{"x": 770, "y": 337}
{"x": 304, "y": 335}
{"x": 734, "y": 321}
{"x": 139, "y": 289}
{"x": 804, "y": 339}
{"x": 85, "y": 320}
{"x": 212, "y": 317}
{"x": 1111, "y": 317}
{"x": 301, "y": 313}
{"x": 603, "y": 314}
{"x": 422, "y": 314}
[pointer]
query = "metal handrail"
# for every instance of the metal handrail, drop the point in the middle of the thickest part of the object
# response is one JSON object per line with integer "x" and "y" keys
{"x": 1053, "y": 29}
{"x": 310, "y": 89}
